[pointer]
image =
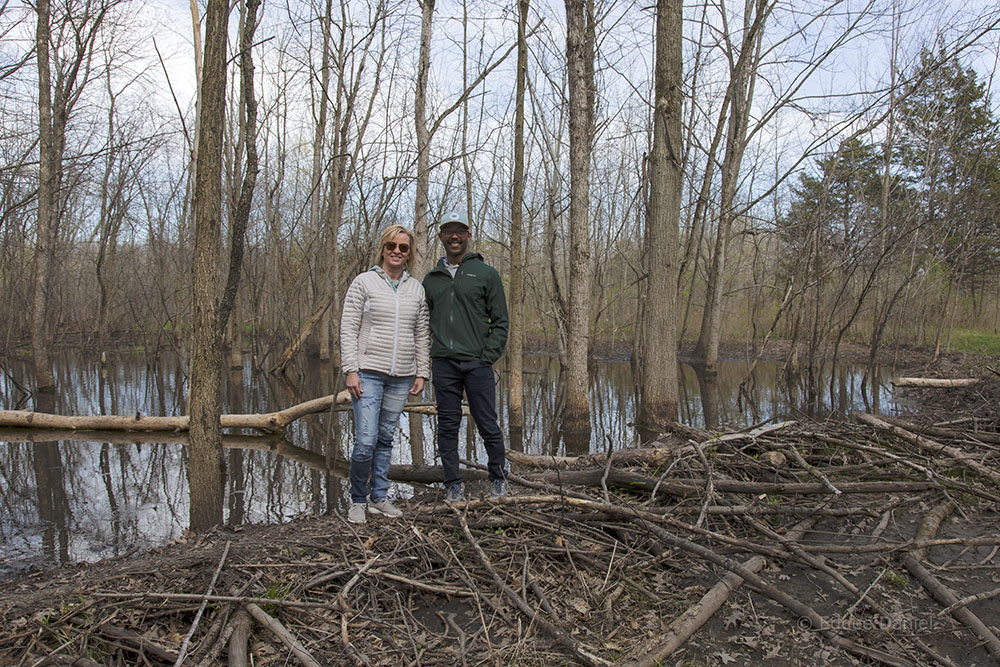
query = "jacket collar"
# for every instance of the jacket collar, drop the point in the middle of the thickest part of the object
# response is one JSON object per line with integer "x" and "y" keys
{"x": 385, "y": 276}
{"x": 443, "y": 260}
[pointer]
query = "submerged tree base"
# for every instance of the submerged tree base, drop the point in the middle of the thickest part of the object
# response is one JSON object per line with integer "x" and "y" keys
{"x": 802, "y": 543}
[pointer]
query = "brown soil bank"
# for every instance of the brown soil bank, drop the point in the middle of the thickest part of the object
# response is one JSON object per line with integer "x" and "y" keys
{"x": 795, "y": 544}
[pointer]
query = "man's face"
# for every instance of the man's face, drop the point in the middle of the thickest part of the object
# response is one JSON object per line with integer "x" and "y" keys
{"x": 455, "y": 238}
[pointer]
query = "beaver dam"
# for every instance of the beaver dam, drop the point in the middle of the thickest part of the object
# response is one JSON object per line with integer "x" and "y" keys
{"x": 852, "y": 542}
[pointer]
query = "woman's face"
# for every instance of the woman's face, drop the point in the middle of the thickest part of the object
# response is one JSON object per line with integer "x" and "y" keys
{"x": 396, "y": 252}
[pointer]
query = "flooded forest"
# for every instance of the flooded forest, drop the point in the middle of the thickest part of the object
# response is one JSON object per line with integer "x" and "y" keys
{"x": 728, "y": 236}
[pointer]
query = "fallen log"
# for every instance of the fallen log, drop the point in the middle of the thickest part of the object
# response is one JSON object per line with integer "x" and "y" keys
{"x": 648, "y": 456}
{"x": 684, "y": 488}
{"x": 940, "y": 432}
{"x": 271, "y": 422}
{"x": 945, "y": 383}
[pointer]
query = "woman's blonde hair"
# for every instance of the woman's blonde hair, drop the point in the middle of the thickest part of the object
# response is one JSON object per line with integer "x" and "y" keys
{"x": 388, "y": 235}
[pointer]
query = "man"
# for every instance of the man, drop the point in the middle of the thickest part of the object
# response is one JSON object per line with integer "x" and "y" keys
{"x": 468, "y": 319}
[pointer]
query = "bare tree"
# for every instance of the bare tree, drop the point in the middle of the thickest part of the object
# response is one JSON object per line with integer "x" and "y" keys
{"x": 515, "y": 337}
{"x": 56, "y": 101}
{"x": 739, "y": 96}
{"x": 658, "y": 406}
{"x": 206, "y": 467}
{"x": 580, "y": 66}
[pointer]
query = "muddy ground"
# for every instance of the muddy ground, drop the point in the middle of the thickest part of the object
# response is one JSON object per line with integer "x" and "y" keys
{"x": 591, "y": 562}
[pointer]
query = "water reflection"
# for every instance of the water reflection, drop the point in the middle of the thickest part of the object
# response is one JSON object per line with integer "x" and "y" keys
{"x": 66, "y": 499}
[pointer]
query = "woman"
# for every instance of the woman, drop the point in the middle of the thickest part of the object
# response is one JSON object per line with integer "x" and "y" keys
{"x": 384, "y": 348}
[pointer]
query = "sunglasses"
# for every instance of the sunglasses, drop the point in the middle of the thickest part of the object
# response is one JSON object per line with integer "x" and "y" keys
{"x": 392, "y": 245}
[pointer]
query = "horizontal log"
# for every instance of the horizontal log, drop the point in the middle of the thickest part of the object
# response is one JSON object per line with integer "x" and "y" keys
{"x": 683, "y": 488}
{"x": 934, "y": 382}
{"x": 271, "y": 422}
{"x": 650, "y": 456}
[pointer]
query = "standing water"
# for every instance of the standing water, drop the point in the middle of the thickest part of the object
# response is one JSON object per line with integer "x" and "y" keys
{"x": 71, "y": 497}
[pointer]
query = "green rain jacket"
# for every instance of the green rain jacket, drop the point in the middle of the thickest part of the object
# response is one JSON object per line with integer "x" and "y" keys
{"x": 468, "y": 313}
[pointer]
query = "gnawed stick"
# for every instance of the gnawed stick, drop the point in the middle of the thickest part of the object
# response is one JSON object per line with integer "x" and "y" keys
{"x": 282, "y": 633}
{"x": 688, "y": 623}
{"x": 430, "y": 588}
{"x": 795, "y": 606}
{"x": 927, "y": 472}
{"x": 209, "y": 659}
{"x": 940, "y": 592}
{"x": 239, "y": 638}
{"x": 941, "y": 432}
{"x": 561, "y": 637}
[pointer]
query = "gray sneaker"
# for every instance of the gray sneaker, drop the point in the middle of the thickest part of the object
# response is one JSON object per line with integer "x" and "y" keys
{"x": 385, "y": 508}
{"x": 455, "y": 493}
{"x": 356, "y": 513}
{"x": 498, "y": 488}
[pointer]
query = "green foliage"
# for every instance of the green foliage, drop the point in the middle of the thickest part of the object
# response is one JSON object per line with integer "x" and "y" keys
{"x": 949, "y": 151}
{"x": 275, "y": 591}
{"x": 978, "y": 342}
{"x": 895, "y": 579}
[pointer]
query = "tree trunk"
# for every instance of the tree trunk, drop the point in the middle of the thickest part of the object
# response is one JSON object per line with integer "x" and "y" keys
{"x": 240, "y": 211}
{"x": 421, "y": 241}
{"x": 205, "y": 463}
{"x": 320, "y": 258}
{"x": 580, "y": 63}
{"x": 515, "y": 338}
{"x": 48, "y": 188}
{"x": 658, "y": 406}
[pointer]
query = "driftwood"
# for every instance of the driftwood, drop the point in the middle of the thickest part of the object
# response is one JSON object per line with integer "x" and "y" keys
{"x": 934, "y": 382}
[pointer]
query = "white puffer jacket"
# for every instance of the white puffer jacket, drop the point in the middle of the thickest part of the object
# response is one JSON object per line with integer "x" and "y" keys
{"x": 385, "y": 329}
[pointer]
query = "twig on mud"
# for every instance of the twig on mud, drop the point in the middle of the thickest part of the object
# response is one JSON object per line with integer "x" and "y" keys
{"x": 561, "y": 637}
{"x": 695, "y": 616}
{"x": 796, "y": 606}
{"x": 942, "y": 593}
{"x": 204, "y": 603}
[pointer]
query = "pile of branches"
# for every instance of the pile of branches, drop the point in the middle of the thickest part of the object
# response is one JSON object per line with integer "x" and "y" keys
{"x": 836, "y": 543}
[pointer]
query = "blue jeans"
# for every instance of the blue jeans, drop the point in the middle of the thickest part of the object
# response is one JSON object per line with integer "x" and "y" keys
{"x": 376, "y": 416}
{"x": 476, "y": 378}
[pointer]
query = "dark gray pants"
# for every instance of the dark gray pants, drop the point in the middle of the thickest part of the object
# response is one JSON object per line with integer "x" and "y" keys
{"x": 450, "y": 378}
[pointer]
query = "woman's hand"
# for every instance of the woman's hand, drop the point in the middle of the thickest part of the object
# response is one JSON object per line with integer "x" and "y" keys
{"x": 353, "y": 382}
{"x": 418, "y": 386}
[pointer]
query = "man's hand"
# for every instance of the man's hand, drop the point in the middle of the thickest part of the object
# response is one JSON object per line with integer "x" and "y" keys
{"x": 353, "y": 381}
{"x": 418, "y": 386}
